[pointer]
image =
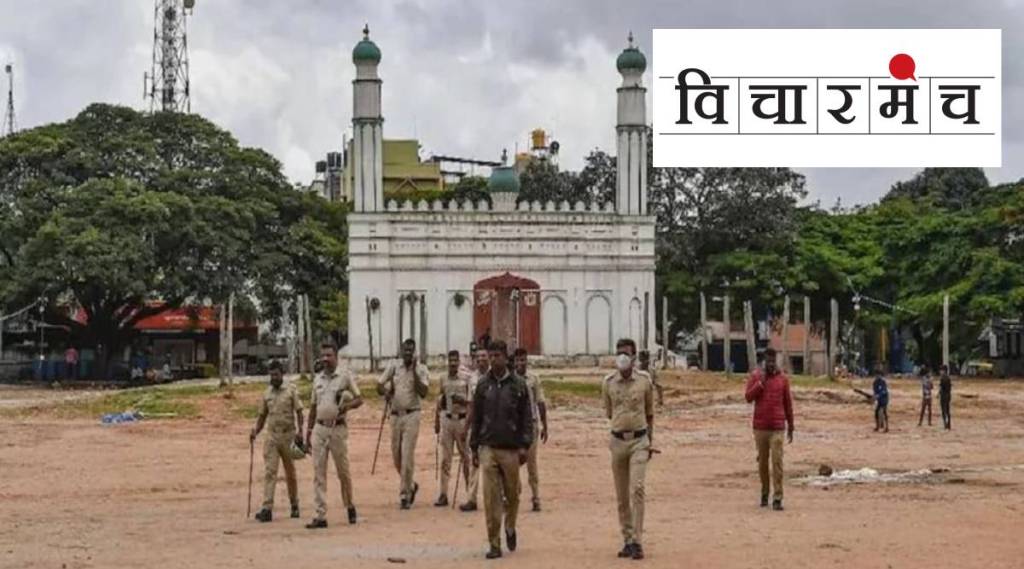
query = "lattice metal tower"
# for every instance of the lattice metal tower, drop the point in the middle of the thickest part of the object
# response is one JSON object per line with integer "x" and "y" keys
{"x": 167, "y": 86}
{"x": 10, "y": 124}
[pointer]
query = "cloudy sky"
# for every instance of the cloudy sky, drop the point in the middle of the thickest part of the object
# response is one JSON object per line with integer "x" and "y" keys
{"x": 467, "y": 77}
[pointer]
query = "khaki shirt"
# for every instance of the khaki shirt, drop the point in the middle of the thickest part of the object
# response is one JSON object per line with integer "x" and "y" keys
{"x": 403, "y": 381}
{"x": 280, "y": 406}
{"x": 326, "y": 389}
{"x": 628, "y": 403}
{"x": 536, "y": 391}
{"x": 462, "y": 385}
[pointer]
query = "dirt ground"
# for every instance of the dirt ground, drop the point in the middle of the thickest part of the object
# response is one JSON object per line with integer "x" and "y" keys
{"x": 172, "y": 493}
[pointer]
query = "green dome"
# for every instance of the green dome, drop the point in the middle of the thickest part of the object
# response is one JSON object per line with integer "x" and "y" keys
{"x": 366, "y": 51}
{"x": 631, "y": 59}
{"x": 503, "y": 179}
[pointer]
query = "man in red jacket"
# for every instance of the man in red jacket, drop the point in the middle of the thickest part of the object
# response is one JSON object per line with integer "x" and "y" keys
{"x": 768, "y": 390}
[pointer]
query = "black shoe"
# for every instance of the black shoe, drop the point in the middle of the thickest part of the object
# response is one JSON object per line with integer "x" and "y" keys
{"x": 468, "y": 507}
{"x": 511, "y": 540}
{"x": 638, "y": 552}
{"x": 351, "y": 515}
{"x": 764, "y": 501}
{"x": 412, "y": 497}
{"x": 264, "y": 515}
{"x": 404, "y": 504}
{"x": 493, "y": 554}
{"x": 442, "y": 501}
{"x": 295, "y": 510}
{"x": 627, "y": 551}
{"x": 317, "y": 523}
{"x": 536, "y": 505}
{"x": 777, "y": 505}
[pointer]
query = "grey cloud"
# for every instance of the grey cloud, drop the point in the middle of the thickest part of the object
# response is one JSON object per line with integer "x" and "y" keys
{"x": 467, "y": 77}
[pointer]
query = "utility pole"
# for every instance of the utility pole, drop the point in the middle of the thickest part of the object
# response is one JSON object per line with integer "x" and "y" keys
{"x": 10, "y": 124}
{"x": 807, "y": 336}
{"x": 748, "y": 329}
{"x": 945, "y": 331}
{"x": 704, "y": 343}
{"x": 727, "y": 343}
{"x": 785, "y": 335}
{"x": 168, "y": 86}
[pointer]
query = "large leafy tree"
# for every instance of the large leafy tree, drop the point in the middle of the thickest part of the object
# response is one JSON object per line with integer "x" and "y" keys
{"x": 125, "y": 215}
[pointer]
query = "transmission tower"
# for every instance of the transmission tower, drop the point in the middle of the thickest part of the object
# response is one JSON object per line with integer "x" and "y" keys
{"x": 167, "y": 85}
{"x": 10, "y": 124}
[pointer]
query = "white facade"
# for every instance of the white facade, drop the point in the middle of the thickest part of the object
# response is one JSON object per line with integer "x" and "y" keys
{"x": 580, "y": 278}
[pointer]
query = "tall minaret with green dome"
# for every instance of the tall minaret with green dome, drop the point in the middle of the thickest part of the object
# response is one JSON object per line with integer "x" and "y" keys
{"x": 631, "y": 131}
{"x": 367, "y": 128}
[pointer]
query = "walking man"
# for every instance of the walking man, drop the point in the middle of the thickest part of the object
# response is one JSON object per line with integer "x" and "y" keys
{"x": 628, "y": 396}
{"x": 451, "y": 422}
{"x": 645, "y": 366}
{"x": 926, "y": 396}
{"x": 481, "y": 363}
{"x": 404, "y": 384}
{"x": 281, "y": 413}
{"x": 539, "y": 413}
{"x": 501, "y": 435}
{"x": 335, "y": 393}
{"x": 768, "y": 390}
{"x": 945, "y": 397}
{"x": 881, "y": 391}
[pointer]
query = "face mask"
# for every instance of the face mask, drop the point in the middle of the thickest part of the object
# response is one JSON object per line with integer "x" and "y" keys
{"x": 623, "y": 362}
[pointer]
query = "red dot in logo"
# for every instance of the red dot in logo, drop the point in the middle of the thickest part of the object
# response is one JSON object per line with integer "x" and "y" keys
{"x": 902, "y": 66}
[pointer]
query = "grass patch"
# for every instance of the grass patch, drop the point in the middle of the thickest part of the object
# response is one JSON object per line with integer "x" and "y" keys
{"x": 160, "y": 403}
{"x": 586, "y": 389}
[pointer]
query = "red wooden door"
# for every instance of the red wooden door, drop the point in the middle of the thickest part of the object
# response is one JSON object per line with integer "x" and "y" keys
{"x": 507, "y": 307}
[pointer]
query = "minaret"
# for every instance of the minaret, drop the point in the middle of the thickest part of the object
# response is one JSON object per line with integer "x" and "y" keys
{"x": 367, "y": 128}
{"x": 631, "y": 133}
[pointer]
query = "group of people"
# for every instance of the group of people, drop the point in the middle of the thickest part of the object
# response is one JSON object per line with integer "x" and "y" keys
{"x": 494, "y": 415}
{"x": 880, "y": 389}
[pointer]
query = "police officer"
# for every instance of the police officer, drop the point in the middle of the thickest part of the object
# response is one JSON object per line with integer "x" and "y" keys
{"x": 451, "y": 421}
{"x": 335, "y": 393}
{"x": 405, "y": 384}
{"x": 629, "y": 404}
{"x": 539, "y": 409}
{"x": 481, "y": 363}
{"x": 281, "y": 413}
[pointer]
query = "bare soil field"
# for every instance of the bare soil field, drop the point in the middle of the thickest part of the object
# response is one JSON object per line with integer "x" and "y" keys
{"x": 171, "y": 492}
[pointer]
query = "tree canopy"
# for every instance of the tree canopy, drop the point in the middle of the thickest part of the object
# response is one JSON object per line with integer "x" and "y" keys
{"x": 124, "y": 215}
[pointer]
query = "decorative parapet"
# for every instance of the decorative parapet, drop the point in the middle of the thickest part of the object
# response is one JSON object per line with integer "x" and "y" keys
{"x": 438, "y": 205}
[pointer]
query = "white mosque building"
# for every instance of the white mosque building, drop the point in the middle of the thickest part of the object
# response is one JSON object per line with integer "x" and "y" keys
{"x": 558, "y": 279}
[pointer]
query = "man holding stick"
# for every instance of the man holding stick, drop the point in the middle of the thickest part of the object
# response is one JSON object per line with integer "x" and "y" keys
{"x": 335, "y": 393}
{"x": 404, "y": 384}
{"x": 451, "y": 422}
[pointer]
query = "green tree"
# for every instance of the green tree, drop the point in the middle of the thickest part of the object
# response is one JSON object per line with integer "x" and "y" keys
{"x": 126, "y": 215}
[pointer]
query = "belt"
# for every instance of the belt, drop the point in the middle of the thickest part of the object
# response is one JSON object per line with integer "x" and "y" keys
{"x": 457, "y": 417}
{"x": 629, "y": 435}
{"x": 330, "y": 423}
{"x": 398, "y": 413}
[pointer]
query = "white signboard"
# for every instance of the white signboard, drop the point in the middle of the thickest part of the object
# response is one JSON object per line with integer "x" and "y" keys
{"x": 821, "y": 98}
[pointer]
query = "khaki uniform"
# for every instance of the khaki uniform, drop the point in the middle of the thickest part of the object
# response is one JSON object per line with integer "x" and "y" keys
{"x": 628, "y": 403}
{"x": 658, "y": 388}
{"x": 536, "y": 391}
{"x": 455, "y": 425}
{"x": 330, "y": 434}
{"x": 405, "y": 417}
{"x": 473, "y": 482}
{"x": 280, "y": 406}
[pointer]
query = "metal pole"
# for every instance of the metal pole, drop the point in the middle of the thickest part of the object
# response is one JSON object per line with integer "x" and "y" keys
{"x": 807, "y": 336}
{"x": 665, "y": 340}
{"x": 231, "y": 339}
{"x": 647, "y": 320}
{"x": 423, "y": 328}
{"x": 833, "y": 340}
{"x": 785, "y": 335}
{"x": 401, "y": 317}
{"x": 369, "y": 334}
{"x": 704, "y": 343}
{"x": 748, "y": 329}
{"x": 727, "y": 342}
{"x": 945, "y": 332}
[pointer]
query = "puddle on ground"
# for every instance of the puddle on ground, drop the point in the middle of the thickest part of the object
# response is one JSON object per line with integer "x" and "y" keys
{"x": 921, "y": 476}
